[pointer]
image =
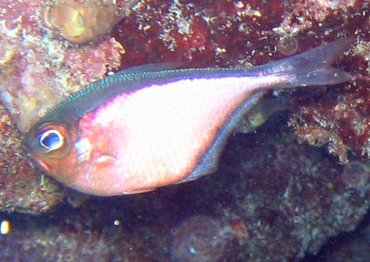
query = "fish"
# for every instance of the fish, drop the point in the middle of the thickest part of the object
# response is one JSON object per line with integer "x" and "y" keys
{"x": 152, "y": 126}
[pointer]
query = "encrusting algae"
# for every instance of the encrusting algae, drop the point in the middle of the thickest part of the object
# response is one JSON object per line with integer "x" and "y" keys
{"x": 268, "y": 187}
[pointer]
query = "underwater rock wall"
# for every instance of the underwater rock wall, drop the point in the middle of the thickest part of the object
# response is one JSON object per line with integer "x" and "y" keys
{"x": 272, "y": 197}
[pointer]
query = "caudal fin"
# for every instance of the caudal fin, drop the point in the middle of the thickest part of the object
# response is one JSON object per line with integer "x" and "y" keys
{"x": 313, "y": 67}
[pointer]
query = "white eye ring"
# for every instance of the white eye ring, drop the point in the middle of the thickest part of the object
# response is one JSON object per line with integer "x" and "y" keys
{"x": 55, "y": 143}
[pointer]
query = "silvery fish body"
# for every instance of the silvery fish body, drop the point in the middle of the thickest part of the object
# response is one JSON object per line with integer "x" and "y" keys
{"x": 144, "y": 128}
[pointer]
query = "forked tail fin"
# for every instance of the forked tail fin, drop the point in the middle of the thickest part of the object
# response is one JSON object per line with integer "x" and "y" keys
{"x": 313, "y": 67}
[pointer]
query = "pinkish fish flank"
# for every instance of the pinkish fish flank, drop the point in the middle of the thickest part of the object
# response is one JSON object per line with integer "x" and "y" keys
{"x": 144, "y": 128}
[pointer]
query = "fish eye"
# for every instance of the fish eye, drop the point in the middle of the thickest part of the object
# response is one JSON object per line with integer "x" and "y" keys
{"x": 51, "y": 140}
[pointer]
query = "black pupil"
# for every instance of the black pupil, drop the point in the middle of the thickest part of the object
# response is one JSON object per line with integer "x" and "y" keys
{"x": 51, "y": 141}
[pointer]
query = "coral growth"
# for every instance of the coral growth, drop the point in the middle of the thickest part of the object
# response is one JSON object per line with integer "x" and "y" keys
{"x": 356, "y": 176}
{"x": 280, "y": 199}
{"x": 198, "y": 238}
{"x": 242, "y": 33}
{"x": 39, "y": 70}
{"x": 353, "y": 246}
{"x": 22, "y": 188}
{"x": 339, "y": 119}
{"x": 81, "y": 22}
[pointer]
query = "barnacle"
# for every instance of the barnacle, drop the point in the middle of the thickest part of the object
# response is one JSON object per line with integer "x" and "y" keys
{"x": 81, "y": 21}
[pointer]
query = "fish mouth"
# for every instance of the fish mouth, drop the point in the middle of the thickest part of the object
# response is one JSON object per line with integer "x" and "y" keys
{"x": 105, "y": 159}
